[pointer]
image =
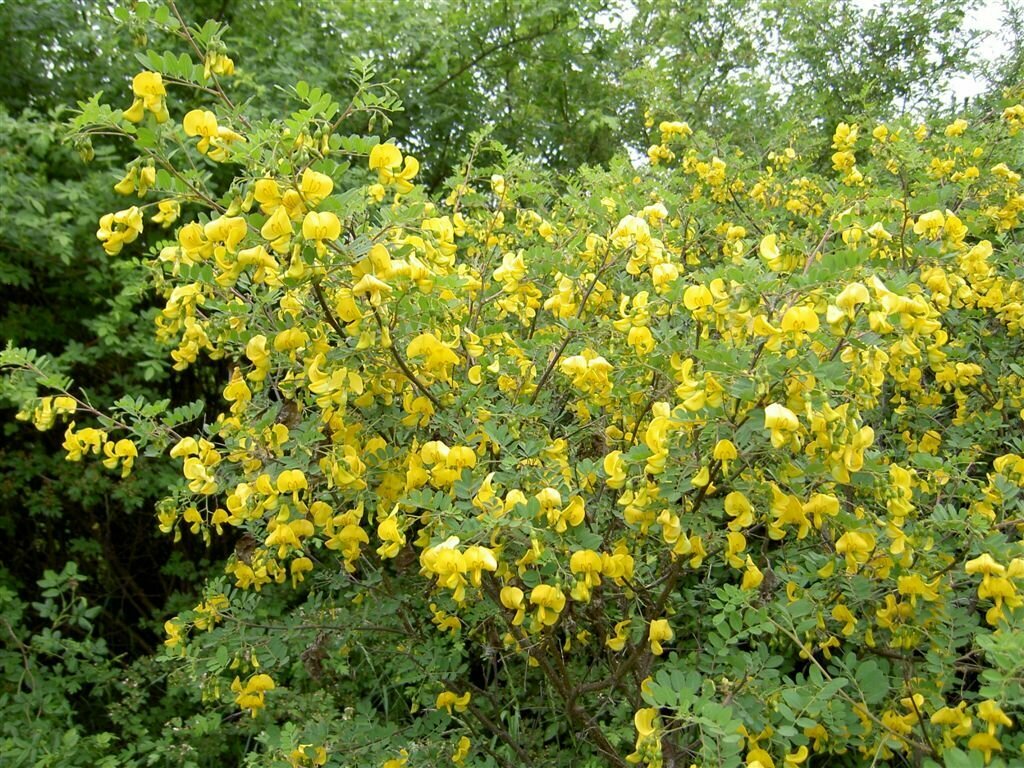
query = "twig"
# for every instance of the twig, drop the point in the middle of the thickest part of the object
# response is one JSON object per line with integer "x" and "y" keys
{"x": 406, "y": 369}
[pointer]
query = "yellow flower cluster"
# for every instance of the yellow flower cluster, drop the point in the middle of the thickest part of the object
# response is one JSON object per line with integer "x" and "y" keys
{"x": 588, "y": 417}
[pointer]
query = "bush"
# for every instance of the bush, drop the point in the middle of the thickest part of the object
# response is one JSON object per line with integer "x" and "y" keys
{"x": 713, "y": 461}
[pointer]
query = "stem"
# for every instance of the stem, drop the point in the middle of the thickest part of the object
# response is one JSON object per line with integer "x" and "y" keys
{"x": 818, "y": 248}
{"x": 926, "y": 748}
{"x": 568, "y": 337}
{"x": 501, "y": 733}
{"x": 562, "y": 686}
{"x": 328, "y": 314}
{"x": 218, "y": 89}
{"x": 419, "y": 385}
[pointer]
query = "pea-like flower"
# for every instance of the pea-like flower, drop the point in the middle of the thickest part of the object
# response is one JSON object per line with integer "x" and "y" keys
{"x": 150, "y": 96}
{"x": 118, "y": 229}
{"x": 550, "y": 601}
{"x": 782, "y": 423}
{"x": 251, "y": 696}
{"x": 321, "y": 227}
{"x": 660, "y": 632}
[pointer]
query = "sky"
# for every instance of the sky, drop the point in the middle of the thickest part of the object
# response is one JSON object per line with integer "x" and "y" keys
{"x": 986, "y": 18}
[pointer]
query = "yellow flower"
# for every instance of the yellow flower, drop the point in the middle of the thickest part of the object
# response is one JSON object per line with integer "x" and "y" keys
{"x": 202, "y": 123}
{"x": 372, "y": 286}
{"x": 588, "y": 563}
{"x": 449, "y": 700}
{"x": 459, "y": 756}
{"x": 618, "y": 641}
{"x": 45, "y": 414}
{"x": 167, "y": 213}
{"x": 385, "y": 156}
{"x": 291, "y": 481}
{"x": 315, "y": 187}
{"x": 955, "y": 719}
{"x": 386, "y": 160}
{"x": 660, "y": 632}
{"x": 781, "y": 422}
{"x": 228, "y": 231}
{"x": 796, "y": 758}
{"x": 80, "y": 442}
{"x": 641, "y": 339}
{"x": 738, "y": 507}
{"x": 986, "y": 743}
{"x": 857, "y": 546}
{"x": 479, "y": 559}
{"x": 438, "y": 358}
{"x": 615, "y": 467}
{"x": 985, "y": 565}
{"x": 752, "y": 576}
{"x": 769, "y": 252}
{"x": 288, "y": 536}
{"x": 913, "y": 586}
{"x": 843, "y": 161}
{"x": 845, "y": 136}
{"x": 645, "y": 721}
{"x": 929, "y": 225}
{"x": 549, "y": 601}
{"x": 725, "y": 451}
{"x": 459, "y": 457}
{"x": 136, "y": 178}
{"x": 954, "y": 230}
{"x": 319, "y": 227}
{"x": 736, "y": 542}
{"x": 123, "y": 451}
{"x": 448, "y": 564}
{"x": 512, "y": 598}
{"x": 300, "y": 566}
{"x": 218, "y": 64}
{"x": 800, "y": 319}
{"x": 268, "y": 194}
{"x": 561, "y": 518}
{"x": 670, "y": 130}
{"x": 759, "y": 758}
{"x": 851, "y": 297}
{"x": 214, "y": 139}
{"x": 118, "y": 229}
{"x": 956, "y": 128}
{"x": 149, "y": 91}
{"x": 589, "y": 372}
{"x": 392, "y": 539}
{"x": 278, "y": 230}
{"x": 696, "y": 298}
{"x": 991, "y": 713}
{"x": 842, "y": 614}
{"x": 251, "y": 696}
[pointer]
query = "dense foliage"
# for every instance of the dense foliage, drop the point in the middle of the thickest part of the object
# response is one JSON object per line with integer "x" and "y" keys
{"x": 709, "y": 459}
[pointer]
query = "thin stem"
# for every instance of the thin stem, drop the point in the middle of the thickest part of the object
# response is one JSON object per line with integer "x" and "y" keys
{"x": 419, "y": 385}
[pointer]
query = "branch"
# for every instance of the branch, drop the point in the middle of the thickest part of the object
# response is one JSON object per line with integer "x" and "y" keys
{"x": 328, "y": 315}
{"x": 568, "y": 337}
{"x": 406, "y": 369}
{"x": 490, "y": 50}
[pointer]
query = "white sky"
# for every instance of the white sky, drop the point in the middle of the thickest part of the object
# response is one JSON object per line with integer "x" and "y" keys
{"x": 985, "y": 18}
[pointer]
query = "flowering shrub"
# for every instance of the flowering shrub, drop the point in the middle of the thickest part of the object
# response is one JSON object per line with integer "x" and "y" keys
{"x": 714, "y": 462}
